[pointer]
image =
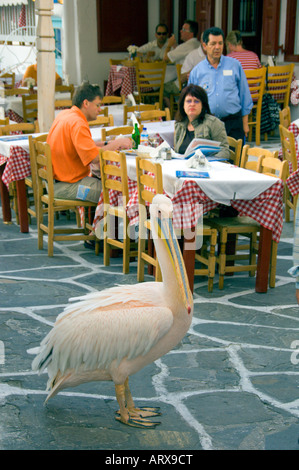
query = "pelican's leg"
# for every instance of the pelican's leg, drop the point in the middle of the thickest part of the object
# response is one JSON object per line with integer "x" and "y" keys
{"x": 143, "y": 412}
{"x": 128, "y": 416}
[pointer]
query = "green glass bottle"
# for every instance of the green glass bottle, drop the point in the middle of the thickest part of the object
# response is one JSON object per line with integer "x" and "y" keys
{"x": 136, "y": 137}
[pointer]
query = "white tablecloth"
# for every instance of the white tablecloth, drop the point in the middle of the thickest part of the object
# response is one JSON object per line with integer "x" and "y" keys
{"x": 227, "y": 182}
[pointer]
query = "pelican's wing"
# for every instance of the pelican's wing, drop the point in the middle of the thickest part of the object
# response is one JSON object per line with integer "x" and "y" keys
{"x": 94, "y": 340}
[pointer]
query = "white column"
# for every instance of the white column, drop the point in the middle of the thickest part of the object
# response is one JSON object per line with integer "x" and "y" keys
{"x": 45, "y": 44}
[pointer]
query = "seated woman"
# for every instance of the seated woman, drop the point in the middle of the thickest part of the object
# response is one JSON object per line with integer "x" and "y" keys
{"x": 31, "y": 72}
{"x": 194, "y": 120}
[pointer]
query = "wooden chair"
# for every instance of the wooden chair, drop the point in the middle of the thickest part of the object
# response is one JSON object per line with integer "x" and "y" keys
{"x": 279, "y": 169}
{"x": 114, "y": 177}
{"x": 113, "y": 100}
{"x": 279, "y": 83}
{"x": 21, "y": 128}
{"x": 114, "y": 131}
{"x": 287, "y": 139}
{"x": 285, "y": 117}
{"x": 155, "y": 115}
{"x": 29, "y": 103}
{"x": 256, "y": 81}
{"x": 173, "y": 96}
{"x": 149, "y": 183}
{"x": 250, "y": 156}
{"x": 227, "y": 226}
{"x": 235, "y": 149}
{"x": 4, "y": 122}
{"x": 138, "y": 108}
{"x": 8, "y": 80}
{"x": 150, "y": 81}
{"x": 102, "y": 121}
{"x": 42, "y": 166}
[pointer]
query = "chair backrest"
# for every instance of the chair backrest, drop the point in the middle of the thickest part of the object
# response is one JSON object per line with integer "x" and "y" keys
{"x": 43, "y": 170}
{"x": 102, "y": 121}
{"x": 113, "y": 167}
{"x": 150, "y": 80}
{"x": 113, "y": 99}
{"x": 272, "y": 166}
{"x": 235, "y": 149}
{"x": 63, "y": 103}
{"x": 149, "y": 180}
{"x": 285, "y": 117}
{"x": 8, "y": 80}
{"x": 124, "y": 62}
{"x": 287, "y": 139}
{"x": 65, "y": 89}
{"x": 124, "y": 130}
{"x": 155, "y": 115}
{"x": 256, "y": 79}
{"x": 22, "y": 127}
{"x": 254, "y": 152}
{"x": 138, "y": 108}
{"x": 279, "y": 82}
{"x": 29, "y": 103}
{"x": 32, "y": 154}
{"x": 14, "y": 91}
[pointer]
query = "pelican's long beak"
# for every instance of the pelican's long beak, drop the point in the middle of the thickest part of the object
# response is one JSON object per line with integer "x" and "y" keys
{"x": 166, "y": 232}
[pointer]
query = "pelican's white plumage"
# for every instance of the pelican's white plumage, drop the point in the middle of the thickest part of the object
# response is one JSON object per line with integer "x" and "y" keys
{"x": 112, "y": 334}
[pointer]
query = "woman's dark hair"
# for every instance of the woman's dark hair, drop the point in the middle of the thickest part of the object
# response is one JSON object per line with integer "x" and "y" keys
{"x": 86, "y": 92}
{"x": 199, "y": 93}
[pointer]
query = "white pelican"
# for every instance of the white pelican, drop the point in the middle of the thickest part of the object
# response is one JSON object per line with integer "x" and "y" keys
{"x": 112, "y": 334}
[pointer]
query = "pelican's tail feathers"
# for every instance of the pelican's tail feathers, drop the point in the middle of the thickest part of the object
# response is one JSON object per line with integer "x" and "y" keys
{"x": 56, "y": 384}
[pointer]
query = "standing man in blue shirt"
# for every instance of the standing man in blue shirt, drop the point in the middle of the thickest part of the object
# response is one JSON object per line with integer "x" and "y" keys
{"x": 225, "y": 83}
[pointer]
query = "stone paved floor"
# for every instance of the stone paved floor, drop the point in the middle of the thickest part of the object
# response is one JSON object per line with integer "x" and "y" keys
{"x": 232, "y": 383}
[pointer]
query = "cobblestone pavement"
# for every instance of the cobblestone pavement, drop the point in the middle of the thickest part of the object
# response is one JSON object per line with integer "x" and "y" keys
{"x": 232, "y": 383}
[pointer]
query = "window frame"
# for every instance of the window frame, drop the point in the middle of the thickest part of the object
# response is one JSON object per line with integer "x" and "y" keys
{"x": 289, "y": 55}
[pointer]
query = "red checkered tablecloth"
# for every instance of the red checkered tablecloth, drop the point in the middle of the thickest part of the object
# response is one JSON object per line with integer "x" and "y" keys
{"x": 123, "y": 78}
{"x": 17, "y": 165}
{"x": 190, "y": 202}
{"x": 293, "y": 183}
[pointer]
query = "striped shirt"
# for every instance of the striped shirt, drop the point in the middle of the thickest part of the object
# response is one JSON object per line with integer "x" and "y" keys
{"x": 248, "y": 59}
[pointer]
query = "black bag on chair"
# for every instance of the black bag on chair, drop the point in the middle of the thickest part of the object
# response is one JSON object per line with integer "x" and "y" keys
{"x": 270, "y": 114}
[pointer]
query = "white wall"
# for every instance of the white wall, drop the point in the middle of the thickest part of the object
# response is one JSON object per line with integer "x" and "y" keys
{"x": 82, "y": 61}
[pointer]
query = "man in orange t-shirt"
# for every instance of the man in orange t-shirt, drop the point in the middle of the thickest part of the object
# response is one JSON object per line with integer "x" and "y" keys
{"x": 73, "y": 149}
{"x": 31, "y": 72}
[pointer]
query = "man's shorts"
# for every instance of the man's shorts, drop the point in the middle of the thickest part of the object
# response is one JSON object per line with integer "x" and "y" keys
{"x": 87, "y": 189}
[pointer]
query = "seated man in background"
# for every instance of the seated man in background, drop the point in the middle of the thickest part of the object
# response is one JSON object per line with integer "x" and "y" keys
{"x": 73, "y": 148}
{"x": 155, "y": 50}
{"x": 176, "y": 54}
{"x": 235, "y": 49}
{"x": 31, "y": 72}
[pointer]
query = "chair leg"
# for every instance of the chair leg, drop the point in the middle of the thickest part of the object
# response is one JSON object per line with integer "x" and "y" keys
{"x": 106, "y": 233}
{"x": 222, "y": 258}
{"x": 273, "y": 262}
{"x": 126, "y": 247}
{"x": 140, "y": 265}
{"x": 51, "y": 216}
